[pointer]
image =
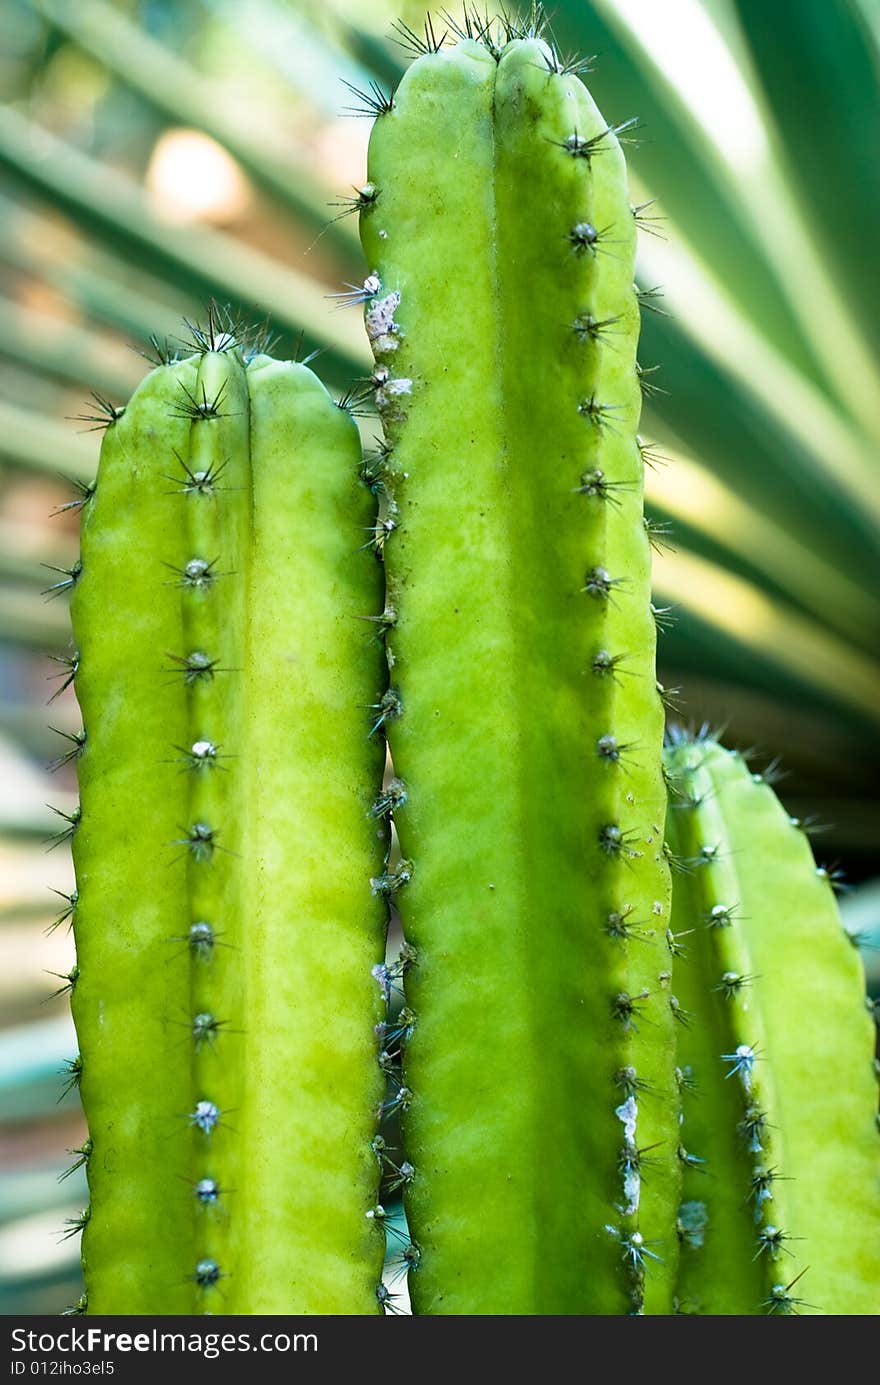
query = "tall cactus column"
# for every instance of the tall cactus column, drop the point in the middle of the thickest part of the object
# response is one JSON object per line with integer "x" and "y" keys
{"x": 225, "y": 925}
{"x": 540, "y": 1112}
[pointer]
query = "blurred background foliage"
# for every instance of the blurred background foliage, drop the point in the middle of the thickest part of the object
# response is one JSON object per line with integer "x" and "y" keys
{"x": 155, "y": 153}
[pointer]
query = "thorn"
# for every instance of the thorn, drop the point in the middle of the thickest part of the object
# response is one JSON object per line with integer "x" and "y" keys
{"x": 391, "y": 881}
{"x": 415, "y": 45}
{"x": 72, "y": 1071}
{"x": 596, "y": 485}
{"x": 195, "y": 666}
{"x": 67, "y": 913}
{"x": 648, "y": 224}
{"x": 630, "y": 1083}
{"x": 659, "y": 532}
{"x": 374, "y": 102}
{"x": 389, "y": 800}
{"x": 646, "y": 385}
{"x": 76, "y": 1224}
{"x": 598, "y": 414}
{"x": 614, "y": 841}
{"x": 207, "y": 1273}
{"x": 219, "y": 334}
{"x": 771, "y": 1240}
{"x": 649, "y": 454}
{"x": 384, "y": 622}
{"x": 84, "y": 1153}
{"x": 357, "y": 401}
{"x": 70, "y": 577}
{"x": 77, "y": 740}
{"x": 201, "y": 755}
{"x": 585, "y": 236}
{"x": 617, "y": 925}
{"x": 589, "y": 328}
{"x": 607, "y": 665}
{"x": 648, "y": 298}
{"x": 684, "y": 1017}
{"x": 613, "y": 752}
{"x": 161, "y": 353}
{"x": 365, "y": 197}
{"x": 570, "y": 64}
{"x": 85, "y": 491}
{"x": 70, "y": 663}
{"x": 581, "y": 148}
{"x": 669, "y": 696}
{"x": 197, "y": 409}
{"x": 70, "y": 979}
{"x": 107, "y": 413}
{"x": 835, "y": 877}
{"x": 389, "y": 708}
{"x": 66, "y": 833}
{"x": 664, "y": 616}
{"x": 205, "y": 1117}
{"x": 741, "y": 1062}
{"x": 810, "y": 826}
{"x": 199, "y": 840}
{"x": 600, "y": 584}
{"x": 199, "y": 482}
{"x": 358, "y": 293}
{"x": 196, "y": 574}
{"x": 205, "y": 1028}
{"x": 782, "y": 1301}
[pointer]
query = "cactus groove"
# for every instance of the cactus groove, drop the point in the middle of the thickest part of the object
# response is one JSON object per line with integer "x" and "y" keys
{"x": 224, "y": 922}
{"x": 780, "y": 1215}
{"x": 541, "y": 1115}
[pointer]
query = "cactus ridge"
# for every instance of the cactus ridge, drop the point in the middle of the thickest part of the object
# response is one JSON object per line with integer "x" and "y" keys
{"x": 778, "y": 1110}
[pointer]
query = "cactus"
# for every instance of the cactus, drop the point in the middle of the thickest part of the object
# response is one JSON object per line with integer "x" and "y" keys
{"x": 547, "y": 1054}
{"x": 528, "y": 729}
{"x": 224, "y": 922}
{"x": 780, "y": 1100}
{"x": 596, "y": 1094}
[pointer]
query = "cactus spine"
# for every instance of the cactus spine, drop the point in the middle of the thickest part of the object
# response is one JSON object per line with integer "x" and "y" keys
{"x": 781, "y": 1101}
{"x": 224, "y": 922}
{"x": 504, "y": 320}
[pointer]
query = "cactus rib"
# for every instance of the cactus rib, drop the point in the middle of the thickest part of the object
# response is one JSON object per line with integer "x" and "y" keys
{"x": 785, "y": 1106}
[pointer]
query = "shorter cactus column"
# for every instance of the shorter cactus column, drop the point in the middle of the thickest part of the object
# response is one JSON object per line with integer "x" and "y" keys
{"x": 780, "y": 1148}
{"x": 225, "y": 924}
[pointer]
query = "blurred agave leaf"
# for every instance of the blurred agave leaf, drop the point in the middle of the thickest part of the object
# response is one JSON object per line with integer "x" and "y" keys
{"x": 98, "y": 283}
{"x": 831, "y": 139}
{"x": 42, "y": 444}
{"x": 709, "y": 117}
{"x": 185, "y": 97}
{"x": 68, "y": 351}
{"x": 715, "y": 521}
{"x": 206, "y": 262}
{"x": 800, "y": 654}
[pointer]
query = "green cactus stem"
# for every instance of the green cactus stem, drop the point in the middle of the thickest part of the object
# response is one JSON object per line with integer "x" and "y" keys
{"x": 224, "y": 921}
{"x": 780, "y": 1211}
{"x": 540, "y": 1112}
